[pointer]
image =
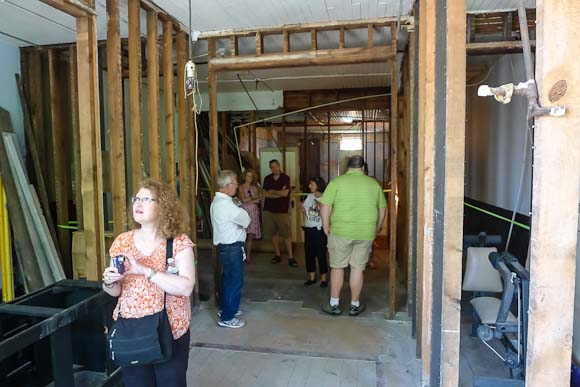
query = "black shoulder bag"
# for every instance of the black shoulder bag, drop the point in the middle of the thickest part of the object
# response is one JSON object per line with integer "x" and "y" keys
{"x": 145, "y": 340}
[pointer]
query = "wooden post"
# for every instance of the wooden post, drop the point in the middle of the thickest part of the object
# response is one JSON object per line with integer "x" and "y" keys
{"x": 116, "y": 130}
{"x": 153, "y": 88}
{"x": 213, "y": 130}
{"x": 234, "y": 45}
{"x": 254, "y": 140}
{"x": 393, "y": 193}
{"x": 328, "y": 146}
{"x": 90, "y": 145}
{"x": 170, "y": 173}
{"x": 370, "y": 37}
{"x": 341, "y": 39}
{"x": 37, "y": 107}
{"x": 224, "y": 126}
{"x": 411, "y": 178}
{"x": 259, "y": 44}
{"x": 134, "y": 7}
{"x": 283, "y": 144}
{"x": 449, "y": 171}
{"x": 182, "y": 114}
{"x": 61, "y": 180}
{"x": 285, "y": 42}
{"x": 313, "y": 40}
{"x": 554, "y": 198}
{"x": 74, "y": 109}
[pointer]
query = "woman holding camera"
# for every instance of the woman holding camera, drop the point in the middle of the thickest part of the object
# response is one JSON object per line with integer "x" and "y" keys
{"x": 147, "y": 278}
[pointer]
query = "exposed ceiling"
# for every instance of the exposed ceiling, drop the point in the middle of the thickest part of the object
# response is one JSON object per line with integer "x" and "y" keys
{"x": 30, "y": 22}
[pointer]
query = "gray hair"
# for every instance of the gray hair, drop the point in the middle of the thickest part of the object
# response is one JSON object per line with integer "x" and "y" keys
{"x": 225, "y": 177}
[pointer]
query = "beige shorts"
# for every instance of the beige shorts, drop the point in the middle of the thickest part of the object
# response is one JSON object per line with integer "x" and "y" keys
{"x": 344, "y": 252}
{"x": 275, "y": 224}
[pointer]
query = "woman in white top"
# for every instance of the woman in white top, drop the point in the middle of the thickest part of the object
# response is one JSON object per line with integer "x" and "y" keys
{"x": 314, "y": 238}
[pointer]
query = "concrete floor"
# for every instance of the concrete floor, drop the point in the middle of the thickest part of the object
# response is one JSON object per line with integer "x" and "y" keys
{"x": 288, "y": 341}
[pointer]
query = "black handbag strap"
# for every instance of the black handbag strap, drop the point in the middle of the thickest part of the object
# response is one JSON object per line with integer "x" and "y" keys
{"x": 168, "y": 254}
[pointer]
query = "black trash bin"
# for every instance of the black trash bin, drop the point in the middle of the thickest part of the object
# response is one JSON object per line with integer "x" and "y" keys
{"x": 56, "y": 336}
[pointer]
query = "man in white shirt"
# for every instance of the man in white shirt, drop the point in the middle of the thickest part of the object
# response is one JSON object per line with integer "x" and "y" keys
{"x": 229, "y": 233}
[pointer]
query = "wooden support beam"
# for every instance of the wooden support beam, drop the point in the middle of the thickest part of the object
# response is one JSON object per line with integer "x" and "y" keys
{"x": 182, "y": 118}
{"x": 341, "y": 39}
{"x": 496, "y": 48}
{"x": 90, "y": 145}
{"x": 300, "y": 59}
{"x": 74, "y": 8}
{"x": 213, "y": 130}
{"x": 285, "y": 42}
{"x": 313, "y": 40}
{"x": 259, "y": 44}
{"x": 425, "y": 179}
{"x": 224, "y": 127}
{"x": 393, "y": 194}
{"x": 170, "y": 173}
{"x": 555, "y": 193}
{"x": 211, "y": 48}
{"x": 449, "y": 172}
{"x": 37, "y": 108}
{"x": 234, "y": 45}
{"x": 74, "y": 109}
{"x": 116, "y": 117}
{"x": 284, "y": 143}
{"x": 134, "y": 8}
{"x": 370, "y": 40}
{"x": 411, "y": 179}
{"x": 60, "y": 162}
{"x": 254, "y": 140}
{"x": 153, "y": 89}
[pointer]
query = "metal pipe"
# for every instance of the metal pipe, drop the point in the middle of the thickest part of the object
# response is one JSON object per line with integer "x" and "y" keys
{"x": 525, "y": 35}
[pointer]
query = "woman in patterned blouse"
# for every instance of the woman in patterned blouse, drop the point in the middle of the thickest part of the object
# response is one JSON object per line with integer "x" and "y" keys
{"x": 157, "y": 215}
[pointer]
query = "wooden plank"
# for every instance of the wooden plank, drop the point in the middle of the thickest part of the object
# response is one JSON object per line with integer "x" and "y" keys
{"x": 234, "y": 45}
{"x": 22, "y": 241}
{"x": 59, "y": 158}
{"x": 495, "y": 48}
{"x": 426, "y": 166}
{"x": 72, "y": 7}
{"x": 285, "y": 42}
{"x": 37, "y": 107}
{"x": 283, "y": 143}
{"x": 370, "y": 37}
{"x": 300, "y": 59}
{"x": 259, "y": 44}
{"x": 341, "y": 39}
{"x": 116, "y": 117}
{"x": 134, "y": 9}
{"x": 224, "y": 127}
{"x": 313, "y": 41}
{"x": 555, "y": 192}
{"x": 213, "y": 130}
{"x": 74, "y": 111}
{"x": 454, "y": 148}
{"x": 254, "y": 130}
{"x": 153, "y": 100}
{"x": 411, "y": 172}
{"x": 170, "y": 173}
{"x": 90, "y": 143}
{"x": 182, "y": 113}
{"x": 393, "y": 161}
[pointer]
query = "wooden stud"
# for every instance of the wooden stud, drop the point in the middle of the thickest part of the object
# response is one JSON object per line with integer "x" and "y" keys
{"x": 74, "y": 109}
{"x": 454, "y": 150}
{"x": 285, "y": 42}
{"x": 135, "y": 92}
{"x": 341, "y": 39}
{"x": 182, "y": 114}
{"x": 555, "y": 192}
{"x": 254, "y": 131}
{"x": 61, "y": 180}
{"x": 210, "y": 48}
{"x": 371, "y": 30}
{"x": 170, "y": 173}
{"x": 393, "y": 173}
{"x": 328, "y": 145}
{"x": 116, "y": 117}
{"x": 213, "y": 130}
{"x": 234, "y": 45}
{"x": 90, "y": 143}
{"x": 283, "y": 143}
{"x": 224, "y": 127}
{"x": 259, "y": 44}
{"x": 37, "y": 106}
{"x": 153, "y": 88}
{"x": 313, "y": 40}
{"x": 411, "y": 151}
{"x": 306, "y": 58}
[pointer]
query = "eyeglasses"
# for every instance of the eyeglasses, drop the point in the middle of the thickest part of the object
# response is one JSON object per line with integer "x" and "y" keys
{"x": 144, "y": 200}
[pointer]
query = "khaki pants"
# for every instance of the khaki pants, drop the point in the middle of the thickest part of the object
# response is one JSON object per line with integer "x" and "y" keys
{"x": 344, "y": 252}
{"x": 275, "y": 224}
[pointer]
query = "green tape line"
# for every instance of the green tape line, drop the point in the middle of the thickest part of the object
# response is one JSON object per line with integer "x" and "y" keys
{"x": 525, "y": 227}
{"x": 66, "y": 227}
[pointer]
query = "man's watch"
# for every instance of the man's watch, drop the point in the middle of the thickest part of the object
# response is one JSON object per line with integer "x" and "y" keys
{"x": 150, "y": 273}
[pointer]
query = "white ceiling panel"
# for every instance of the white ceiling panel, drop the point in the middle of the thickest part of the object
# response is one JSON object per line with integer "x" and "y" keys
{"x": 495, "y": 5}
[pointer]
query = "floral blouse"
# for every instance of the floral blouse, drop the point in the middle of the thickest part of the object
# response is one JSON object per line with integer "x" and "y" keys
{"x": 140, "y": 297}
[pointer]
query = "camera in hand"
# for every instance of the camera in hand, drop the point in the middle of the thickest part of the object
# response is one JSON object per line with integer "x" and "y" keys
{"x": 119, "y": 263}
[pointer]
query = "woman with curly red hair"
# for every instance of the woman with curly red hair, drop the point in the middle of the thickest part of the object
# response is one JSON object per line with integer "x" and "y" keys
{"x": 148, "y": 279}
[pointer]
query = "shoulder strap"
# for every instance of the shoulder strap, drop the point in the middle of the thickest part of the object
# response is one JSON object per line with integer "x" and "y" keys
{"x": 168, "y": 254}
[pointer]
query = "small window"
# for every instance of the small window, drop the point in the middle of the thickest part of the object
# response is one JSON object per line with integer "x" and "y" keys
{"x": 350, "y": 144}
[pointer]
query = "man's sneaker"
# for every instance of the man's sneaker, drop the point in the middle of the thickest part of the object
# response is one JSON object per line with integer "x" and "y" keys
{"x": 333, "y": 310}
{"x": 233, "y": 323}
{"x": 238, "y": 313}
{"x": 356, "y": 310}
{"x": 276, "y": 259}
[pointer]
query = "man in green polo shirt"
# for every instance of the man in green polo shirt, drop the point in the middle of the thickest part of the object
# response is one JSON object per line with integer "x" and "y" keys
{"x": 353, "y": 210}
